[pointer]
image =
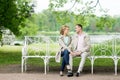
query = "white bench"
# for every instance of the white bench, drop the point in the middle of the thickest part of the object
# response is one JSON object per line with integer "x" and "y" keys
{"x": 34, "y": 47}
{"x": 107, "y": 48}
{"x": 103, "y": 46}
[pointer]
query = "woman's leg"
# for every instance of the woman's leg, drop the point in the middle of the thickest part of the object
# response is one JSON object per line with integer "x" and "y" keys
{"x": 63, "y": 65}
{"x": 63, "y": 62}
{"x": 65, "y": 59}
{"x": 66, "y": 56}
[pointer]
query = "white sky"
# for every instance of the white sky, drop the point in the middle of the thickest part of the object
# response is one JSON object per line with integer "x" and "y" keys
{"x": 112, "y": 5}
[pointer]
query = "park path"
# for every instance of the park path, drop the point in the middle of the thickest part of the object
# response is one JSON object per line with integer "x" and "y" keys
{"x": 54, "y": 76}
{"x": 12, "y": 72}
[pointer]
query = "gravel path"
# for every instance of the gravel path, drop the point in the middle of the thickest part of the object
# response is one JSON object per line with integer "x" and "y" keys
{"x": 54, "y": 76}
{"x": 12, "y": 72}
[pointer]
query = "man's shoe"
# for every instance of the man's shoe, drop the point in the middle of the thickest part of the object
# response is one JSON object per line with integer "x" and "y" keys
{"x": 77, "y": 74}
{"x": 70, "y": 74}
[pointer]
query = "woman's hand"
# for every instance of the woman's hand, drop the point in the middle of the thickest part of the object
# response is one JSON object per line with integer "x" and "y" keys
{"x": 72, "y": 53}
{"x": 75, "y": 53}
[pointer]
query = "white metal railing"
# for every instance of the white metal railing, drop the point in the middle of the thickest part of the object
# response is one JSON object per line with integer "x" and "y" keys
{"x": 45, "y": 47}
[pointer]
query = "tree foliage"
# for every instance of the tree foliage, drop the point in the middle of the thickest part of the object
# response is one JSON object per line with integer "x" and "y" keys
{"x": 30, "y": 28}
{"x": 105, "y": 22}
{"x": 53, "y": 20}
{"x": 13, "y": 13}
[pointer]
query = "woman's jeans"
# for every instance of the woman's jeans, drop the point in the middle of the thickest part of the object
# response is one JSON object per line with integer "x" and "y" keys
{"x": 65, "y": 59}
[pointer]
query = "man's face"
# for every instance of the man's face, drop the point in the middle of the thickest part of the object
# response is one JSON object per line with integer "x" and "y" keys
{"x": 77, "y": 29}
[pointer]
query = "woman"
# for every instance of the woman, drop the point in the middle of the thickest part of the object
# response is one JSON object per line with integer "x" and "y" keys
{"x": 65, "y": 44}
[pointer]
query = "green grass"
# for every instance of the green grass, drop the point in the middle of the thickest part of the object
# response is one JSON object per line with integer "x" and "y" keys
{"x": 12, "y": 55}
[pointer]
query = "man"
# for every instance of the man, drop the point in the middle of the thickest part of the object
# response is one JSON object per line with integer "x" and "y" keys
{"x": 81, "y": 46}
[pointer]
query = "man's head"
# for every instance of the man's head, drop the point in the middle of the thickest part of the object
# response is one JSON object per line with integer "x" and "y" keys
{"x": 78, "y": 28}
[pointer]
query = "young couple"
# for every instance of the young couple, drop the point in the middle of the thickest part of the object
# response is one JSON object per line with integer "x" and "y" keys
{"x": 77, "y": 45}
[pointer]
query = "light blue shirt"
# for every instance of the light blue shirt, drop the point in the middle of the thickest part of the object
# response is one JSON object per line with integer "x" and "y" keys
{"x": 66, "y": 40}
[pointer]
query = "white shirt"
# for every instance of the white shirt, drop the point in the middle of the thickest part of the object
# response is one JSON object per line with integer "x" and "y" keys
{"x": 80, "y": 44}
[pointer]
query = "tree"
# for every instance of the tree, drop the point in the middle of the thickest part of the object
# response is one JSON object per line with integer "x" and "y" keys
{"x": 30, "y": 28}
{"x": 92, "y": 23}
{"x": 82, "y": 10}
{"x": 81, "y": 7}
{"x": 13, "y": 13}
{"x": 116, "y": 26}
{"x": 105, "y": 23}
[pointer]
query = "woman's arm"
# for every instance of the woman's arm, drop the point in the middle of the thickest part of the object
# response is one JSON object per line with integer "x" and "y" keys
{"x": 62, "y": 44}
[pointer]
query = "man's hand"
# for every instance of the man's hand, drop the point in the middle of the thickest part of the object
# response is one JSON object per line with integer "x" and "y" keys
{"x": 72, "y": 53}
{"x": 75, "y": 53}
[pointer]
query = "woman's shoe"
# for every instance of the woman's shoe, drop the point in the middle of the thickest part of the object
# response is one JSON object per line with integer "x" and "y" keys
{"x": 61, "y": 73}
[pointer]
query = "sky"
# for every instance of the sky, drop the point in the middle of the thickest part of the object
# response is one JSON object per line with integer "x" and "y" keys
{"x": 113, "y": 6}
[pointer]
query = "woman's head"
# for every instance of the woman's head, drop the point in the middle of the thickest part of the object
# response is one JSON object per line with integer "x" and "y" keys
{"x": 64, "y": 30}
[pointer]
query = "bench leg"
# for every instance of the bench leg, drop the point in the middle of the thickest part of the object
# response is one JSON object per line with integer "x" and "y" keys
{"x": 22, "y": 65}
{"x": 92, "y": 64}
{"x": 45, "y": 65}
{"x": 26, "y": 64}
{"x": 115, "y": 62}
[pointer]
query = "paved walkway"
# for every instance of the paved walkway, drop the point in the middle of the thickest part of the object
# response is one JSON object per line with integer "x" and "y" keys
{"x": 12, "y": 72}
{"x": 54, "y": 76}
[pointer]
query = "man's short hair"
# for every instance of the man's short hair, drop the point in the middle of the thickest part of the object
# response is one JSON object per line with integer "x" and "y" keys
{"x": 79, "y": 25}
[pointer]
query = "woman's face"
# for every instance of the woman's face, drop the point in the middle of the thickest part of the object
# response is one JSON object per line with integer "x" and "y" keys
{"x": 66, "y": 31}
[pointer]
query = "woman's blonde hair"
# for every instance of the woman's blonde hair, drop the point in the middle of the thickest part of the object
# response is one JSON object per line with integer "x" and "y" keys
{"x": 63, "y": 29}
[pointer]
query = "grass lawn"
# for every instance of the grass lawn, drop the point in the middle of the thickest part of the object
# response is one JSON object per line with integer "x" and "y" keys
{"x": 12, "y": 55}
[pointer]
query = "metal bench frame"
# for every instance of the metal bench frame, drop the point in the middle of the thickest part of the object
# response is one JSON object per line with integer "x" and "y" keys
{"x": 92, "y": 57}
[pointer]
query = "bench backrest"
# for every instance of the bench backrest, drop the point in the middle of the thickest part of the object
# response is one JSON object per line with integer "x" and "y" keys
{"x": 35, "y": 46}
{"x": 101, "y": 45}
{"x": 105, "y": 45}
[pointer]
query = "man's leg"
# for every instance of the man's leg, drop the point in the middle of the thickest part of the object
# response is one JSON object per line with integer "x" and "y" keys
{"x": 70, "y": 61}
{"x": 82, "y": 62}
